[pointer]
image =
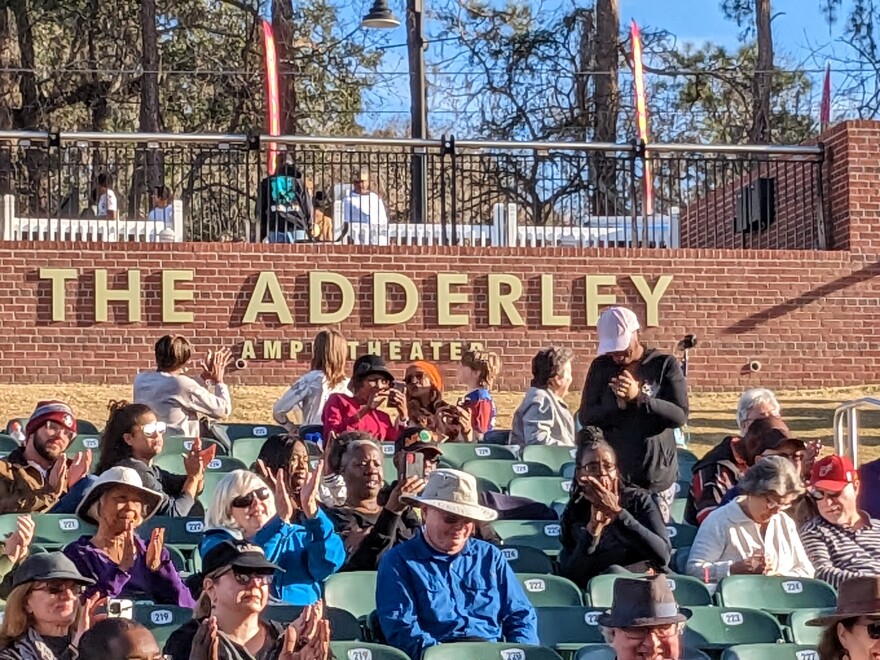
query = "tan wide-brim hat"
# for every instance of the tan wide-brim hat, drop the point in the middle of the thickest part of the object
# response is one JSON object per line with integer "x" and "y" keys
{"x": 856, "y": 597}
{"x": 117, "y": 476}
{"x": 455, "y": 492}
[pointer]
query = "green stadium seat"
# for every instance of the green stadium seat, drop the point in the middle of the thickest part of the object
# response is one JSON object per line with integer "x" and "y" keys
{"x": 681, "y": 489}
{"x": 779, "y": 595}
{"x": 770, "y": 652}
{"x": 540, "y": 534}
{"x": 496, "y": 437}
{"x": 365, "y": 651}
{"x": 235, "y": 432}
{"x": 174, "y": 463}
{"x": 676, "y": 511}
{"x": 523, "y": 559}
{"x": 344, "y": 626}
{"x": 719, "y": 627}
{"x": 688, "y": 591}
{"x": 183, "y": 533}
{"x": 540, "y": 489}
{"x": 681, "y": 535}
{"x": 552, "y": 456}
{"x": 568, "y": 470}
{"x": 52, "y": 531}
{"x": 568, "y": 628}
{"x": 457, "y": 454}
{"x": 161, "y": 620}
{"x": 22, "y": 421}
{"x": 177, "y": 445}
{"x": 488, "y": 651}
{"x": 686, "y": 461}
{"x": 487, "y": 486}
{"x": 246, "y": 450}
{"x": 87, "y": 428}
{"x": 82, "y": 442}
{"x": 353, "y": 591}
{"x": 550, "y": 590}
{"x": 177, "y": 558}
{"x": 800, "y": 632}
{"x": 212, "y": 478}
{"x": 8, "y": 444}
{"x": 502, "y": 472}
{"x": 559, "y": 507}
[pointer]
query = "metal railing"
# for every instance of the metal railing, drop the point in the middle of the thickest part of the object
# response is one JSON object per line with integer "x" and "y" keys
{"x": 478, "y": 192}
{"x": 846, "y": 426}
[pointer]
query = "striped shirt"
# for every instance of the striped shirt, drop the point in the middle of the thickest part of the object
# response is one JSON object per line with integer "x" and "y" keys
{"x": 839, "y": 553}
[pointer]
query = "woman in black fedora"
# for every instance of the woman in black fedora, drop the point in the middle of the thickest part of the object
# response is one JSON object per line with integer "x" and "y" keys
{"x": 370, "y": 385}
{"x": 853, "y": 631}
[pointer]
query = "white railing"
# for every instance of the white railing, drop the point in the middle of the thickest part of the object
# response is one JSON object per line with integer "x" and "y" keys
{"x": 15, "y": 228}
{"x": 846, "y": 426}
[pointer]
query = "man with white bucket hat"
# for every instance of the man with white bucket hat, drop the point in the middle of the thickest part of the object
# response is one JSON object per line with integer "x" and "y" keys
{"x": 443, "y": 585}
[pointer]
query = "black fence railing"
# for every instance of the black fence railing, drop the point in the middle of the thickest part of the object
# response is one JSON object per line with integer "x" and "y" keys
{"x": 478, "y": 193}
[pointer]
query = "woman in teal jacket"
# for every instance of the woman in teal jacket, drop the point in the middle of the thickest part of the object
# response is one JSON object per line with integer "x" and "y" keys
{"x": 291, "y": 529}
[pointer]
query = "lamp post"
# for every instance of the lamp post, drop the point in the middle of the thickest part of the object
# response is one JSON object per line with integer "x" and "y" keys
{"x": 380, "y": 16}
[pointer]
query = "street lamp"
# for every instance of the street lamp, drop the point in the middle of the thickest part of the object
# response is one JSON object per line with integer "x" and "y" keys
{"x": 381, "y": 16}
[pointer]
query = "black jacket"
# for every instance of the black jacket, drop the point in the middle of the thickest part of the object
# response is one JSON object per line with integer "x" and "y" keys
{"x": 386, "y": 530}
{"x": 641, "y": 433}
{"x": 180, "y": 643}
{"x": 638, "y": 536}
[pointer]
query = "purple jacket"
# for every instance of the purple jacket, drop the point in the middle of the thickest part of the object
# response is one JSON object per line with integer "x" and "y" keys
{"x": 162, "y": 586}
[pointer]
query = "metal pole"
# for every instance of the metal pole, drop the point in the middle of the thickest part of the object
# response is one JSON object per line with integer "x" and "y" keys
{"x": 415, "y": 46}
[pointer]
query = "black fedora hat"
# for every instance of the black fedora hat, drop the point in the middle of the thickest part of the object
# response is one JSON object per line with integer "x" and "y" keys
{"x": 643, "y": 603}
{"x": 369, "y": 365}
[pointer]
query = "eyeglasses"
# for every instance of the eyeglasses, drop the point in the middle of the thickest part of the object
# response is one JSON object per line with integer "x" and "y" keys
{"x": 153, "y": 429}
{"x": 244, "y": 578}
{"x": 794, "y": 457}
{"x": 662, "y": 632}
{"x": 773, "y": 505}
{"x": 415, "y": 377}
{"x": 58, "y": 429}
{"x": 244, "y": 501}
{"x": 598, "y": 469}
{"x": 820, "y": 495}
{"x": 58, "y": 588}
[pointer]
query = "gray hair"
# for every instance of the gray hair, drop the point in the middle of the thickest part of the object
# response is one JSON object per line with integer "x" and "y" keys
{"x": 753, "y": 398}
{"x": 357, "y": 444}
{"x": 772, "y": 474}
{"x": 235, "y": 484}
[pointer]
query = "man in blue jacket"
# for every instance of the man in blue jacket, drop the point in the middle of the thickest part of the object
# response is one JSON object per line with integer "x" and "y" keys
{"x": 444, "y": 586}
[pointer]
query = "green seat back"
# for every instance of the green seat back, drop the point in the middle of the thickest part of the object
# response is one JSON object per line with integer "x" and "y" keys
{"x": 540, "y": 489}
{"x": 686, "y": 461}
{"x": 235, "y": 432}
{"x": 365, "y": 651}
{"x": 82, "y": 442}
{"x": 720, "y": 627}
{"x": 353, "y": 591}
{"x": 52, "y": 531}
{"x": 22, "y": 422}
{"x": 212, "y": 478}
{"x": 550, "y": 590}
{"x": 344, "y": 626}
{"x": 681, "y": 535}
{"x": 688, "y": 591}
{"x": 488, "y": 651}
{"x": 184, "y": 533}
{"x": 801, "y": 633}
{"x": 676, "y": 511}
{"x": 523, "y": 559}
{"x": 497, "y": 437}
{"x": 554, "y": 457}
{"x": 174, "y": 464}
{"x": 502, "y": 471}
{"x": 568, "y": 470}
{"x": 568, "y": 628}
{"x": 775, "y": 594}
{"x": 541, "y": 534}
{"x": 8, "y": 443}
{"x": 161, "y": 620}
{"x": 682, "y": 487}
{"x": 770, "y": 652}
{"x": 457, "y": 454}
{"x": 246, "y": 450}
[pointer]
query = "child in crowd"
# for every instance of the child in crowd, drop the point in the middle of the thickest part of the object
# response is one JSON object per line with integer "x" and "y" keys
{"x": 311, "y": 391}
{"x": 477, "y": 371}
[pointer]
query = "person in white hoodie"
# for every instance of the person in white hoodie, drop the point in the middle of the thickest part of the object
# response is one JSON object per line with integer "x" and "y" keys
{"x": 543, "y": 418}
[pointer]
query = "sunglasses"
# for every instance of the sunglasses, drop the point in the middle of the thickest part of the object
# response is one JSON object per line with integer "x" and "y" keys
{"x": 416, "y": 377}
{"x": 820, "y": 495}
{"x": 244, "y": 578}
{"x": 58, "y": 588}
{"x": 153, "y": 429}
{"x": 58, "y": 429}
{"x": 873, "y": 629}
{"x": 452, "y": 519}
{"x": 244, "y": 501}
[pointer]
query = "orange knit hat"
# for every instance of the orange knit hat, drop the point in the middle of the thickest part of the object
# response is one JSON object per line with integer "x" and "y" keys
{"x": 431, "y": 372}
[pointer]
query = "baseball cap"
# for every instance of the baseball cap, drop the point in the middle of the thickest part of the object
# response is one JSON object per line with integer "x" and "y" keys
{"x": 239, "y": 555}
{"x": 768, "y": 433}
{"x": 417, "y": 439}
{"x": 832, "y": 473}
{"x": 48, "y": 566}
{"x": 616, "y": 327}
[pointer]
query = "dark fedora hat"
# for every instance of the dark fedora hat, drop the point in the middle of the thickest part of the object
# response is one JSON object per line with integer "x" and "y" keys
{"x": 366, "y": 366}
{"x": 856, "y": 597}
{"x": 642, "y": 603}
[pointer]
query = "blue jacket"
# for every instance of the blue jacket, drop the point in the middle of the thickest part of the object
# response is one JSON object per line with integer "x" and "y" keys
{"x": 308, "y": 550}
{"x": 425, "y": 597}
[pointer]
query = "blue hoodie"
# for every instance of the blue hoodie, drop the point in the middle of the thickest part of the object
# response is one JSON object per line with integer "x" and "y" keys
{"x": 308, "y": 550}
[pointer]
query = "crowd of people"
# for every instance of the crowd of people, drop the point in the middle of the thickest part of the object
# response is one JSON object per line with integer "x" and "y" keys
{"x": 763, "y": 502}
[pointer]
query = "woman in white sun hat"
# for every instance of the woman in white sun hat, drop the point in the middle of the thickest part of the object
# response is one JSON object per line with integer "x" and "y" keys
{"x": 122, "y": 564}
{"x": 444, "y": 586}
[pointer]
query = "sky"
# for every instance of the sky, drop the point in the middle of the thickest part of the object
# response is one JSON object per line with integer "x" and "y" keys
{"x": 801, "y": 37}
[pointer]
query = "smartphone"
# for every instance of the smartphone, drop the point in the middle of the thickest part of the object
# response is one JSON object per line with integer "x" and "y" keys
{"x": 414, "y": 465}
{"x": 400, "y": 387}
{"x": 120, "y": 608}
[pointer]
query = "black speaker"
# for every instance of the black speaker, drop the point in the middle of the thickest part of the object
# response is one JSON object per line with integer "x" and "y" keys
{"x": 755, "y": 206}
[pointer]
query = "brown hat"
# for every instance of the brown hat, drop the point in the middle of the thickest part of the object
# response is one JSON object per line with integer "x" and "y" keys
{"x": 767, "y": 433}
{"x": 643, "y": 603}
{"x": 859, "y": 596}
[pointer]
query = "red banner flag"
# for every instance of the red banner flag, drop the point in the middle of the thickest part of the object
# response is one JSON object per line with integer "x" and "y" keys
{"x": 273, "y": 107}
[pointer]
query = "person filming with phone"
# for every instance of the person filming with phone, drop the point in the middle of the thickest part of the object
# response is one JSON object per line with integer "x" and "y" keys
{"x": 178, "y": 400}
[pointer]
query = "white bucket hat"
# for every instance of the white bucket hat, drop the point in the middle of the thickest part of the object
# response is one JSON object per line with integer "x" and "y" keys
{"x": 117, "y": 476}
{"x": 616, "y": 326}
{"x": 455, "y": 492}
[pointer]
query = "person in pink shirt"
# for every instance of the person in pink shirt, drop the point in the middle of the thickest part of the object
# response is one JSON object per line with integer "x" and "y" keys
{"x": 370, "y": 385}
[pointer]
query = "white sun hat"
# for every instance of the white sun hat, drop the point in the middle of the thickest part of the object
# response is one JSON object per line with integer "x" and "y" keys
{"x": 455, "y": 492}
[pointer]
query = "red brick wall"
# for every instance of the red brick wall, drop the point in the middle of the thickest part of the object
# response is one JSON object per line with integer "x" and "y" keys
{"x": 812, "y": 318}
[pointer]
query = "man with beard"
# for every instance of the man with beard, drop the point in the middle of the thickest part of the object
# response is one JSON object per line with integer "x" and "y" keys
{"x": 38, "y": 477}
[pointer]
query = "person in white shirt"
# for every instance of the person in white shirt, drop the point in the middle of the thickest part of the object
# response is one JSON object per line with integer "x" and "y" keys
{"x": 543, "y": 418}
{"x": 179, "y": 400}
{"x": 107, "y": 205}
{"x": 311, "y": 391}
{"x": 751, "y": 534}
{"x": 364, "y": 211}
{"x": 163, "y": 207}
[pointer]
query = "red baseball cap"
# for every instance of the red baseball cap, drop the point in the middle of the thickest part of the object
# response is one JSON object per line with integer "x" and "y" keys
{"x": 832, "y": 473}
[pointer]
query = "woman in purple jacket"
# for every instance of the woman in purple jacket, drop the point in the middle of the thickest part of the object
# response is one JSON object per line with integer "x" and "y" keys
{"x": 121, "y": 564}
